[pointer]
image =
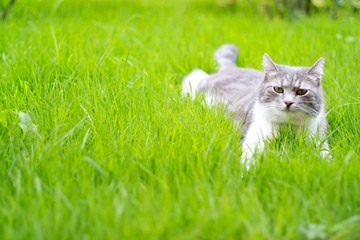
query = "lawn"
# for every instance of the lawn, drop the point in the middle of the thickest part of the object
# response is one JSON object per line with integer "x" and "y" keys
{"x": 97, "y": 142}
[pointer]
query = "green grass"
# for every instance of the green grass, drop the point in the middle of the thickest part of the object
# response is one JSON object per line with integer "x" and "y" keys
{"x": 118, "y": 153}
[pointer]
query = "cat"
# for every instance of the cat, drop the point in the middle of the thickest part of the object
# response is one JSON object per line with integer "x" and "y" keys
{"x": 264, "y": 101}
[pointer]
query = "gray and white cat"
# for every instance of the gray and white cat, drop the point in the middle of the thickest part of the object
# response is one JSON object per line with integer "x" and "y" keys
{"x": 263, "y": 101}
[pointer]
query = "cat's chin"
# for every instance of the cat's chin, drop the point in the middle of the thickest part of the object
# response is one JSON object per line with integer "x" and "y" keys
{"x": 290, "y": 110}
{"x": 284, "y": 115}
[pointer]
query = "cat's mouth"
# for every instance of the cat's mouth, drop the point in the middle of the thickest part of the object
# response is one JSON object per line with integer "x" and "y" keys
{"x": 287, "y": 109}
{"x": 291, "y": 109}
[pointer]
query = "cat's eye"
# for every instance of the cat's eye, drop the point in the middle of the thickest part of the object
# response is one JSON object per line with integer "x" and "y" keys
{"x": 278, "y": 89}
{"x": 301, "y": 91}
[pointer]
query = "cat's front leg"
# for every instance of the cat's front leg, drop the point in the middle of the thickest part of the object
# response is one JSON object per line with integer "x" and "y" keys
{"x": 255, "y": 139}
{"x": 325, "y": 150}
{"x": 322, "y": 144}
{"x": 317, "y": 131}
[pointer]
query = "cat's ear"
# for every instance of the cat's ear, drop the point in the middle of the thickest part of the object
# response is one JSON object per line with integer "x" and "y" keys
{"x": 317, "y": 70}
{"x": 270, "y": 67}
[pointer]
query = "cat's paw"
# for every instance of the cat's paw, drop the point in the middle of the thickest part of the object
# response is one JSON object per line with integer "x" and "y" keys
{"x": 326, "y": 154}
{"x": 246, "y": 158}
{"x": 247, "y": 154}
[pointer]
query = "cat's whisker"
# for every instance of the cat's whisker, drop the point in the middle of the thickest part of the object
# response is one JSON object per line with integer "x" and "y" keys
{"x": 310, "y": 111}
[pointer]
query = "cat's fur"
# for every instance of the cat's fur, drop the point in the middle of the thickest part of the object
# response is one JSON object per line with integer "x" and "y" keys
{"x": 250, "y": 96}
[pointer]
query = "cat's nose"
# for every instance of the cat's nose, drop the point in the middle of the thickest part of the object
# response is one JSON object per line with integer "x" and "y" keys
{"x": 288, "y": 103}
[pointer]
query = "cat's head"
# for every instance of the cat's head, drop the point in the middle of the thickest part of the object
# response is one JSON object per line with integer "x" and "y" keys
{"x": 289, "y": 90}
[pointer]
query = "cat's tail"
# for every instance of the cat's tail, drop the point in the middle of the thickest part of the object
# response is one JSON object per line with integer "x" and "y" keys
{"x": 226, "y": 55}
{"x": 190, "y": 84}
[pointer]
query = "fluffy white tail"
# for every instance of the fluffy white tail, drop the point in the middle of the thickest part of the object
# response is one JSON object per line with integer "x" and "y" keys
{"x": 190, "y": 84}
